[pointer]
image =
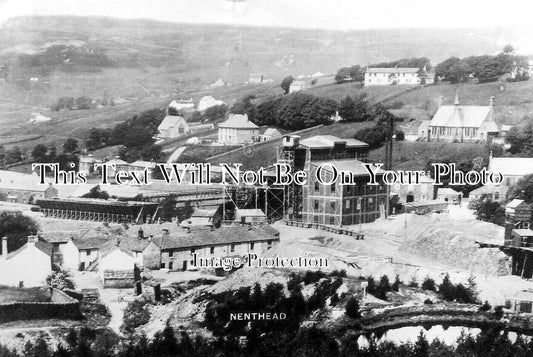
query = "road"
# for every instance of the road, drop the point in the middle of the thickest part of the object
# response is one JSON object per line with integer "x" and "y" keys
{"x": 176, "y": 154}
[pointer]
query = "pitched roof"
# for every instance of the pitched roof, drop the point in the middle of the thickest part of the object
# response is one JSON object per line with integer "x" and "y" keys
{"x": 141, "y": 163}
{"x": 250, "y": 212}
{"x": 329, "y": 141}
{"x": 484, "y": 189}
{"x": 204, "y": 212}
{"x": 238, "y": 121}
{"x": 523, "y": 232}
{"x": 111, "y": 246}
{"x": 511, "y": 166}
{"x": 447, "y": 191}
{"x": 95, "y": 242}
{"x": 470, "y": 116}
{"x": 223, "y": 235}
{"x": 523, "y": 295}
{"x": 43, "y": 246}
{"x": 354, "y": 166}
{"x": 391, "y": 70}
{"x": 171, "y": 121}
{"x": 514, "y": 203}
{"x": 11, "y": 180}
{"x": 271, "y": 131}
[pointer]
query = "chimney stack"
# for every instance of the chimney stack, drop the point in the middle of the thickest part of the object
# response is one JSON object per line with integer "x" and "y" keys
{"x": 4, "y": 247}
{"x": 491, "y": 101}
{"x": 32, "y": 240}
{"x": 140, "y": 233}
{"x": 440, "y": 100}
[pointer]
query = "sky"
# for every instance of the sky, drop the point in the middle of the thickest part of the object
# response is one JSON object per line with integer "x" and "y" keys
{"x": 324, "y": 14}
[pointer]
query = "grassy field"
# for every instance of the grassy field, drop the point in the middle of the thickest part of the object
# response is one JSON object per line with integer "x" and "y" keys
{"x": 510, "y": 105}
{"x": 10, "y": 294}
{"x": 417, "y": 155}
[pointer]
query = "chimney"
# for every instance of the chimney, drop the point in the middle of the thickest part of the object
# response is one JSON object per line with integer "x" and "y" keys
{"x": 440, "y": 100}
{"x": 165, "y": 231}
{"x": 4, "y": 247}
{"x": 150, "y": 238}
{"x": 456, "y": 101}
{"x": 140, "y": 233}
{"x": 491, "y": 101}
{"x": 32, "y": 240}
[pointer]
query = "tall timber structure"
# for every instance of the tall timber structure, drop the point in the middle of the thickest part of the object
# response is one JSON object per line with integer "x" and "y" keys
{"x": 333, "y": 204}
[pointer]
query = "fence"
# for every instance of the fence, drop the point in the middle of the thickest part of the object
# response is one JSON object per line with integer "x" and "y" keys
{"x": 325, "y": 227}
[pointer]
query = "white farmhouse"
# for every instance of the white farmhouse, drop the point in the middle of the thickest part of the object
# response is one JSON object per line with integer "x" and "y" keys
{"x": 388, "y": 76}
{"x": 237, "y": 130}
{"x": 172, "y": 127}
{"x": 27, "y": 266}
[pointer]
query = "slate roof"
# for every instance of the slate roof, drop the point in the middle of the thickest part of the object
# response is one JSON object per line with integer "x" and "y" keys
{"x": 524, "y": 232}
{"x": 91, "y": 242}
{"x": 171, "y": 121}
{"x": 223, "y": 235}
{"x": 514, "y": 203}
{"x": 470, "y": 116}
{"x": 511, "y": 166}
{"x": 523, "y": 295}
{"x": 10, "y": 180}
{"x": 43, "y": 246}
{"x": 391, "y": 70}
{"x": 238, "y": 121}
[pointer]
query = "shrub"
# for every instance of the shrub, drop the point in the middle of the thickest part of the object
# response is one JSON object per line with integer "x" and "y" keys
{"x": 339, "y": 273}
{"x": 135, "y": 315}
{"x": 428, "y": 302}
{"x": 429, "y": 284}
{"x": 352, "y": 308}
{"x": 498, "y": 312}
{"x": 413, "y": 283}
{"x": 485, "y": 307}
{"x": 60, "y": 280}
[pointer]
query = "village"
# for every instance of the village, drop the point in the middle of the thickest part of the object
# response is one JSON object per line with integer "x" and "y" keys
{"x": 386, "y": 202}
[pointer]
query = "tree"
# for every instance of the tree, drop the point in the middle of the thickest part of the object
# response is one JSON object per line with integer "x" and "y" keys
{"x": 16, "y": 227}
{"x": 97, "y": 192}
{"x": 352, "y": 308}
{"x": 508, "y": 48}
{"x": 428, "y": 284}
{"x": 396, "y": 285}
{"x": 39, "y": 153}
{"x": 447, "y": 289}
{"x": 347, "y": 109}
{"x": 421, "y": 347}
{"x": 70, "y": 145}
{"x": 488, "y": 210}
{"x": 286, "y": 84}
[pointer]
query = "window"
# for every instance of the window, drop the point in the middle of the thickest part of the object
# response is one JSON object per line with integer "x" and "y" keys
{"x": 88, "y": 252}
{"x": 212, "y": 250}
{"x": 170, "y": 265}
{"x": 170, "y": 253}
{"x": 317, "y": 187}
{"x": 232, "y": 248}
{"x": 316, "y": 204}
{"x": 162, "y": 266}
{"x": 496, "y": 196}
{"x": 332, "y": 220}
{"x": 252, "y": 246}
{"x": 315, "y": 219}
{"x": 347, "y": 204}
{"x": 269, "y": 244}
{"x": 332, "y": 205}
{"x": 332, "y": 188}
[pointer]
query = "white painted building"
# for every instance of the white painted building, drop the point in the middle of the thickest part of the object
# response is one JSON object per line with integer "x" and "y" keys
{"x": 27, "y": 266}
{"x": 237, "y": 130}
{"x": 172, "y": 127}
{"x": 388, "y": 76}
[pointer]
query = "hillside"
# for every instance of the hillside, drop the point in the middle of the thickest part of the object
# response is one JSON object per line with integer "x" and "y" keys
{"x": 142, "y": 64}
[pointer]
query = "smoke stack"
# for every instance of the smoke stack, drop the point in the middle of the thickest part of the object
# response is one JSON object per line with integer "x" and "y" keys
{"x": 4, "y": 247}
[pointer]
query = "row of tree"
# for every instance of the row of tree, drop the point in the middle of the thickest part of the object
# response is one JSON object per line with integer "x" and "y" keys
{"x": 136, "y": 136}
{"x": 482, "y": 68}
{"x": 80, "y": 103}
